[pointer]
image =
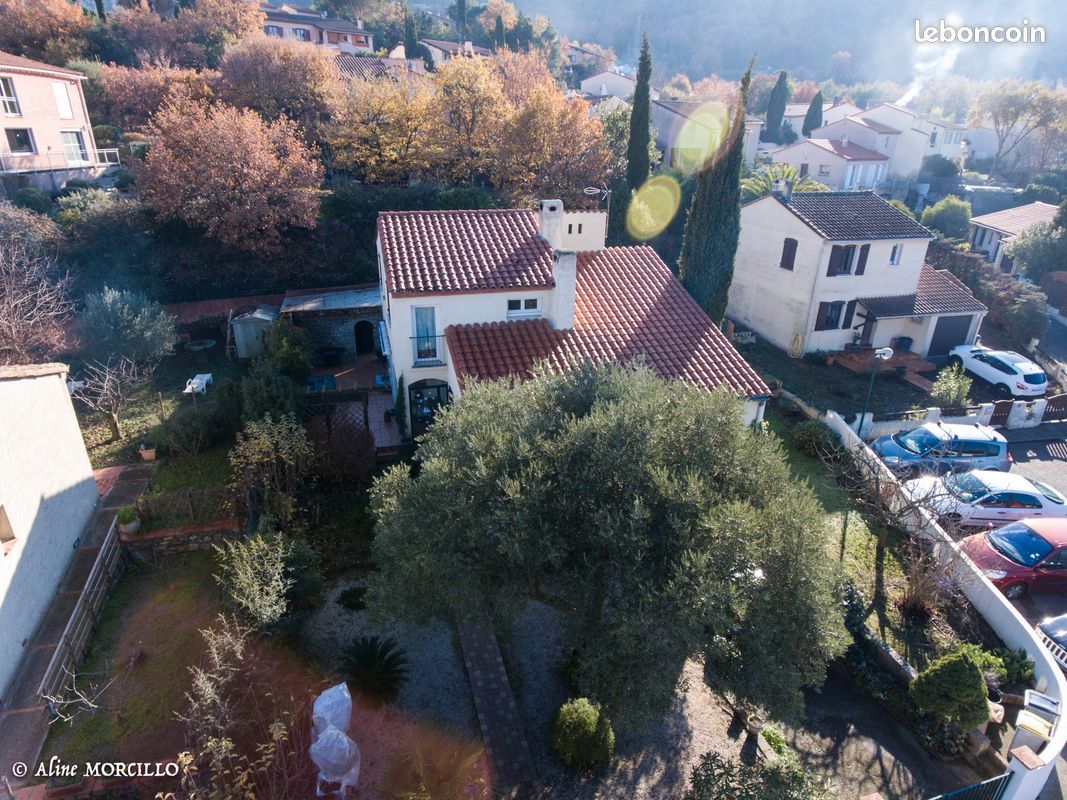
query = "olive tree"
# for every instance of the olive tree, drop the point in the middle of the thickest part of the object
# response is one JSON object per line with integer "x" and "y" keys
{"x": 657, "y": 524}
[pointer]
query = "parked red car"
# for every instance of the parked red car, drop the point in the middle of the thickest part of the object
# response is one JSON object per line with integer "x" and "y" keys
{"x": 1026, "y": 556}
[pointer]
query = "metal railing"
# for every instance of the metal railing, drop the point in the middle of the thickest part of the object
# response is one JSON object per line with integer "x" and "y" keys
{"x": 993, "y": 789}
{"x": 427, "y": 351}
{"x": 58, "y": 162}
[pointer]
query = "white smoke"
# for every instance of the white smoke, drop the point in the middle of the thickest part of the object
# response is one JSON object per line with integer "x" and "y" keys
{"x": 932, "y": 61}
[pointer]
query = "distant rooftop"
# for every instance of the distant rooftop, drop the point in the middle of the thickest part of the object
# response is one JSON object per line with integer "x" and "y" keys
{"x": 1013, "y": 221}
{"x": 341, "y": 298}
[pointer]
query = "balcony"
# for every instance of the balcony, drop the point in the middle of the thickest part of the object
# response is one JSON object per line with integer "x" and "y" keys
{"x": 428, "y": 351}
{"x": 11, "y": 163}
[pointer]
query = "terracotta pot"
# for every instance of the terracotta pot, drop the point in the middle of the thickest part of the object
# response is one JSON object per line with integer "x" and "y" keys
{"x": 148, "y": 454}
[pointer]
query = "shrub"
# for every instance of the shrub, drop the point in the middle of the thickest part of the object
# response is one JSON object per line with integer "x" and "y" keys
{"x": 814, "y": 438}
{"x": 33, "y": 199}
{"x": 581, "y": 736}
{"x": 949, "y": 216}
{"x": 289, "y": 349}
{"x": 952, "y": 387}
{"x": 75, "y": 185}
{"x": 991, "y": 664}
{"x": 354, "y": 598}
{"x": 190, "y": 429}
{"x": 940, "y": 167}
{"x": 127, "y": 324}
{"x": 438, "y": 766}
{"x": 902, "y": 207}
{"x": 954, "y": 687}
{"x": 1018, "y": 667}
{"x": 123, "y": 179}
{"x": 464, "y": 198}
{"x": 265, "y": 390}
{"x": 302, "y": 568}
{"x": 378, "y": 667}
{"x": 126, "y": 515}
{"x": 252, "y": 573}
{"x": 106, "y": 135}
{"x": 78, "y": 205}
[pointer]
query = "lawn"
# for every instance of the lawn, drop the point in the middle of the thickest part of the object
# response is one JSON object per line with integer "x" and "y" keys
{"x": 870, "y": 554}
{"x": 208, "y": 470}
{"x": 832, "y": 386}
{"x": 142, "y": 417}
{"x": 152, "y": 621}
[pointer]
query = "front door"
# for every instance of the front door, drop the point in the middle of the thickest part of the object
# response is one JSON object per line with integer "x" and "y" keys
{"x": 949, "y": 332}
{"x": 364, "y": 337}
{"x": 425, "y": 397}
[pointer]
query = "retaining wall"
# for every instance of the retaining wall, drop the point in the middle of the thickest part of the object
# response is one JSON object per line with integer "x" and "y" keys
{"x": 171, "y": 541}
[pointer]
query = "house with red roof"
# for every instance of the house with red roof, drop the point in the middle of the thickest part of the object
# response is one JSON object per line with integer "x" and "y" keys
{"x": 840, "y": 164}
{"x": 831, "y": 271}
{"x": 47, "y": 136}
{"x": 485, "y": 294}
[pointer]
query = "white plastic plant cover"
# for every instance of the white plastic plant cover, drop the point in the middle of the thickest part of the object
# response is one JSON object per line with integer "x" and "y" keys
{"x": 332, "y": 709}
{"x": 337, "y": 758}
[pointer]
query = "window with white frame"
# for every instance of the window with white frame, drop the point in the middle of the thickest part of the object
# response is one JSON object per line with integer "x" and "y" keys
{"x": 273, "y": 30}
{"x": 8, "y": 100}
{"x": 74, "y": 147}
{"x": 63, "y": 106}
{"x": 425, "y": 339}
{"x": 894, "y": 255}
{"x": 824, "y": 170}
{"x": 524, "y": 308}
{"x": 303, "y": 34}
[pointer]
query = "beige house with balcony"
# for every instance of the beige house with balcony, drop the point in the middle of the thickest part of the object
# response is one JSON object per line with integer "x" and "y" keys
{"x": 292, "y": 21}
{"x": 47, "y": 134}
{"x": 840, "y": 164}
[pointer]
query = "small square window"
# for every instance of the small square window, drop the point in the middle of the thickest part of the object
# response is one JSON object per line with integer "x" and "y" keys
{"x": 514, "y": 305}
{"x": 824, "y": 170}
{"x": 530, "y": 304}
{"x": 524, "y": 308}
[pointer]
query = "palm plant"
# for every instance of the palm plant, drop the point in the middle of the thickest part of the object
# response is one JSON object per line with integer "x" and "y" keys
{"x": 376, "y": 666}
{"x": 437, "y": 766}
{"x": 761, "y": 181}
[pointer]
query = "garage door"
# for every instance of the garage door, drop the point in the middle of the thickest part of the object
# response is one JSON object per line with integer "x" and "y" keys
{"x": 949, "y": 332}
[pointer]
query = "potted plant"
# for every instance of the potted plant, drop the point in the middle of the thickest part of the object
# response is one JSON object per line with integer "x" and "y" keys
{"x": 147, "y": 453}
{"x": 129, "y": 522}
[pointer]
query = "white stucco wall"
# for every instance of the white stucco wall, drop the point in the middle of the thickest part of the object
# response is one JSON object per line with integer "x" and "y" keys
{"x": 47, "y": 494}
{"x": 39, "y": 111}
{"x": 913, "y": 143}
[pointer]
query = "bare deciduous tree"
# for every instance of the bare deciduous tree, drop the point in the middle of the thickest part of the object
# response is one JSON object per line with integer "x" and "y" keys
{"x": 108, "y": 386}
{"x": 79, "y": 698}
{"x": 33, "y": 303}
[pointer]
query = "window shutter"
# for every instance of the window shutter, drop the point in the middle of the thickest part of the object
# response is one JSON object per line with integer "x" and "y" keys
{"x": 820, "y": 318}
{"x": 789, "y": 254}
{"x": 850, "y": 312}
{"x": 837, "y": 253}
{"x": 862, "y": 265}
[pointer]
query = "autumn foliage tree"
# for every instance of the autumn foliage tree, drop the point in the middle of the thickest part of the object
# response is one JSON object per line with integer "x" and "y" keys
{"x": 226, "y": 172}
{"x": 470, "y": 99}
{"x": 129, "y": 96}
{"x": 47, "y": 30}
{"x": 282, "y": 77}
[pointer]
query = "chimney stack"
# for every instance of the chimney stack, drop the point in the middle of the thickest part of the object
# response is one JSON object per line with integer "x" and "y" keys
{"x": 844, "y": 141}
{"x": 782, "y": 189}
{"x": 551, "y": 223}
{"x": 565, "y": 275}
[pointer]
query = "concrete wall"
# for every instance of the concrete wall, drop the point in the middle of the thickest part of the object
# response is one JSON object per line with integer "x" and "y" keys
{"x": 1003, "y": 618}
{"x": 47, "y": 494}
{"x": 40, "y": 112}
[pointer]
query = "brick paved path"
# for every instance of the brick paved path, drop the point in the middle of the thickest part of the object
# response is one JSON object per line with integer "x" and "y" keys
{"x": 514, "y": 776}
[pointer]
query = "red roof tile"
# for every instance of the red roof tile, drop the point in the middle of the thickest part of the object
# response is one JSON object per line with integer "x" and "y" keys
{"x": 463, "y": 251}
{"x": 938, "y": 292}
{"x": 629, "y": 306}
{"x": 9, "y": 61}
{"x": 850, "y": 151}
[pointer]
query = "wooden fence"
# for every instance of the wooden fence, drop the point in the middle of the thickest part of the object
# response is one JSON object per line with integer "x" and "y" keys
{"x": 105, "y": 572}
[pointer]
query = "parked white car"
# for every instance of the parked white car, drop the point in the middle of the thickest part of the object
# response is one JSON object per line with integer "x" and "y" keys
{"x": 986, "y": 497}
{"x": 1011, "y": 374}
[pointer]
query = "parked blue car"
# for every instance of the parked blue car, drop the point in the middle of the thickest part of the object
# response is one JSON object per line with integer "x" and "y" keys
{"x": 937, "y": 447}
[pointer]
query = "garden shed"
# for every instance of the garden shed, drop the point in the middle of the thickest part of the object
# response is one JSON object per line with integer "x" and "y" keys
{"x": 249, "y": 328}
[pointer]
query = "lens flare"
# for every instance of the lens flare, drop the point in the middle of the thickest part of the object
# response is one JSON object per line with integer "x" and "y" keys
{"x": 652, "y": 207}
{"x": 699, "y": 136}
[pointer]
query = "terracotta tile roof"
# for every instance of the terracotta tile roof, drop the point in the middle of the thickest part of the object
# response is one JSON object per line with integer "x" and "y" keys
{"x": 939, "y": 292}
{"x": 9, "y": 61}
{"x": 361, "y": 67}
{"x": 629, "y": 306}
{"x": 463, "y": 251}
{"x": 1013, "y": 221}
{"x": 850, "y": 151}
{"x": 854, "y": 216}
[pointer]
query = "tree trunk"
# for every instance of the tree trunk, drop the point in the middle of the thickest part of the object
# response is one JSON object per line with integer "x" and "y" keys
{"x": 115, "y": 424}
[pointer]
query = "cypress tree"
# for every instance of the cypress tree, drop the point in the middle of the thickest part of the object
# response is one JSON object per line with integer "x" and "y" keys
{"x": 637, "y": 163}
{"x": 706, "y": 263}
{"x": 411, "y": 33}
{"x": 813, "y": 119}
{"x": 499, "y": 36}
{"x": 461, "y": 19}
{"x": 776, "y": 109}
{"x": 100, "y": 11}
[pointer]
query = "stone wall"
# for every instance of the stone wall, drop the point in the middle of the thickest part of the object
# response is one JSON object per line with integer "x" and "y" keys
{"x": 340, "y": 331}
{"x": 171, "y": 541}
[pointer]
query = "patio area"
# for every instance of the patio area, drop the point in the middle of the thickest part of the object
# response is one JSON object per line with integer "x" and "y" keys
{"x": 862, "y": 360}
{"x": 363, "y": 373}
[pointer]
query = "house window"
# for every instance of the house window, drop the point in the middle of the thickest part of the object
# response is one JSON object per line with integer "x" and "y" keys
{"x": 8, "y": 99}
{"x": 59, "y": 90}
{"x": 894, "y": 256}
{"x": 273, "y": 30}
{"x": 829, "y": 316}
{"x": 74, "y": 147}
{"x": 803, "y": 170}
{"x": 789, "y": 254}
{"x": 527, "y": 307}
{"x": 424, "y": 341}
{"x": 302, "y": 34}
{"x": 933, "y": 138}
{"x": 824, "y": 170}
{"x": 20, "y": 140}
{"x": 841, "y": 257}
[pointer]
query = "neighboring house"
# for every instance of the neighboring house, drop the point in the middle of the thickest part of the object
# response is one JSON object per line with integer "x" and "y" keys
{"x": 614, "y": 83}
{"x": 840, "y": 164}
{"x": 442, "y": 51}
{"x": 483, "y": 294}
{"x": 831, "y": 112}
{"x": 370, "y": 68}
{"x": 825, "y": 270}
{"x": 292, "y": 21}
{"x": 864, "y": 132}
{"x": 343, "y": 318}
{"x": 989, "y": 232}
{"x": 578, "y": 56}
{"x": 47, "y": 134}
{"x": 688, "y": 132}
{"x": 920, "y": 136}
{"x": 47, "y": 498}
{"x": 602, "y": 104}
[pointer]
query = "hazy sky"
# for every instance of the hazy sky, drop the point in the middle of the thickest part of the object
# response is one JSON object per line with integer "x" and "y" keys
{"x": 704, "y": 36}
